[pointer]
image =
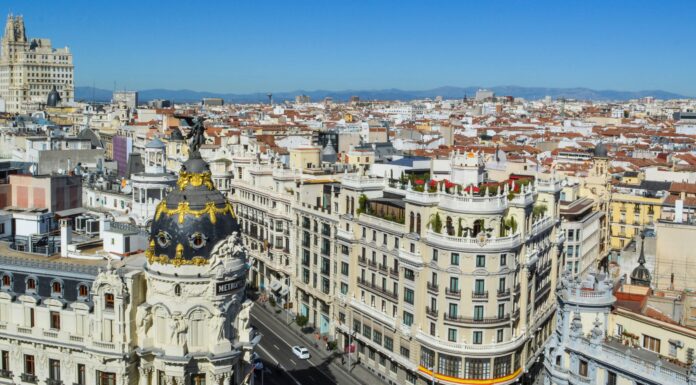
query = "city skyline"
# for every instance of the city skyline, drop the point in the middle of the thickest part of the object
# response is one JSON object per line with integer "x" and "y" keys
{"x": 245, "y": 48}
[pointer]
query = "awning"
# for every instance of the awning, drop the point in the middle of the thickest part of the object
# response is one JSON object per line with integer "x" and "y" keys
{"x": 70, "y": 212}
{"x": 275, "y": 285}
{"x": 284, "y": 292}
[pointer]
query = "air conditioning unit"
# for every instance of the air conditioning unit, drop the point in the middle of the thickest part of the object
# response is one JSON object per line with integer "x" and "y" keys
{"x": 80, "y": 223}
{"x": 92, "y": 227}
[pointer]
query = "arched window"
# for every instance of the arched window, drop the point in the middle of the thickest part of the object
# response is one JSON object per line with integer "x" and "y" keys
{"x": 56, "y": 287}
{"x": 31, "y": 284}
{"x": 478, "y": 226}
{"x": 418, "y": 223}
{"x": 411, "y": 222}
{"x": 6, "y": 280}
{"x": 450, "y": 227}
{"x": 83, "y": 290}
{"x": 177, "y": 290}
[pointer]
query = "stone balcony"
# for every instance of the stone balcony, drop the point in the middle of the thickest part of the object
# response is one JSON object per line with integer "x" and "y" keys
{"x": 541, "y": 225}
{"x": 475, "y": 244}
{"x": 358, "y": 182}
{"x": 640, "y": 362}
{"x": 383, "y": 224}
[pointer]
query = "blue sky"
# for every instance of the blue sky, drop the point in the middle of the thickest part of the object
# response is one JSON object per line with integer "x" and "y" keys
{"x": 250, "y": 46}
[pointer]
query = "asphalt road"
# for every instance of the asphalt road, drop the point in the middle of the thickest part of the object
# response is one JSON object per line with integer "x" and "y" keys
{"x": 281, "y": 366}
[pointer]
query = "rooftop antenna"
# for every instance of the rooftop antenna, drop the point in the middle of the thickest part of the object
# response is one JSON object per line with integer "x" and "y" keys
{"x": 270, "y": 99}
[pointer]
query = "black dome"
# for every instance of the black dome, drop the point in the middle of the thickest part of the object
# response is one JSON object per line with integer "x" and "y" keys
{"x": 191, "y": 219}
{"x": 53, "y": 98}
{"x": 600, "y": 150}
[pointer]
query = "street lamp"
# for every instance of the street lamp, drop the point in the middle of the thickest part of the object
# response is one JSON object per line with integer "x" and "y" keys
{"x": 432, "y": 374}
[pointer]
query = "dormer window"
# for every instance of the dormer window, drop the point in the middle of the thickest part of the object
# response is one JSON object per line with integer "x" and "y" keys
{"x": 82, "y": 291}
{"x": 6, "y": 281}
{"x": 31, "y": 284}
{"x": 56, "y": 288}
{"x": 108, "y": 301}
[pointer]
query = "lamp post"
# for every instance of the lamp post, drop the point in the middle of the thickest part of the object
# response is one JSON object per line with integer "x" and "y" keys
{"x": 432, "y": 374}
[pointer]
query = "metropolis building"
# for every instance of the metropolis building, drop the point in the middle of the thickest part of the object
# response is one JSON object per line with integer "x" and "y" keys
{"x": 176, "y": 316}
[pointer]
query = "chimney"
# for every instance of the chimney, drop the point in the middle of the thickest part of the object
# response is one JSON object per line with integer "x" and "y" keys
{"x": 65, "y": 236}
{"x": 678, "y": 210}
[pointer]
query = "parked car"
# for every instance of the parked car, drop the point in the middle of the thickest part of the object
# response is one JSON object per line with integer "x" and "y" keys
{"x": 301, "y": 352}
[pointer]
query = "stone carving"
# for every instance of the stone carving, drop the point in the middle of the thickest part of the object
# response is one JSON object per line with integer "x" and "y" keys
{"x": 143, "y": 319}
{"x": 179, "y": 329}
{"x": 218, "y": 322}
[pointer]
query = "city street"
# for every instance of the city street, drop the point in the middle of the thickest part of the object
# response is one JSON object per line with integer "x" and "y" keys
{"x": 281, "y": 366}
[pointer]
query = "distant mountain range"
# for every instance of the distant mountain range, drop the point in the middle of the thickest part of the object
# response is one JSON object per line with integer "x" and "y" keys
{"x": 530, "y": 93}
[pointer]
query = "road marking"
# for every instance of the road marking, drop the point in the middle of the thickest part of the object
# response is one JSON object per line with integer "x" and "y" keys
{"x": 276, "y": 346}
{"x": 293, "y": 362}
{"x": 298, "y": 338}
{"x": 280, "y": 366}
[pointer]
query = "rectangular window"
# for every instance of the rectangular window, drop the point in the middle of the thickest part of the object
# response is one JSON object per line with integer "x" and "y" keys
{"x": 449, "y": 365}
{"x": 344, "y": 288}
{"x": 454, "y": 284}
{"x": 478, "y": 337}
{"x": 104, "y": 378}
{"x": 5, "y": 360}
{"x": 55, "y": 320}
{"x": 478, "y": 312}
{"x": 427, "y": 358}
{"x": 582, "y": 368}
{"x": 109, "y": 301}
{"x": 405, "y": 352}
{"x": 452, "y": 335}
{"x": 480, "y": 261}
{"x": 479, "y": 286}
{"x": 453, "y": 310}
{"x": 367, "y": 331}
{"x": 54, "y": 369}
{"x": 409, "y": 274}
{"x": 435, "y": 255}
{"x": 377, "y": 337}
{"x": 356, "y": 326}
{"x": 344, "y": 268}
{"x": 81, "y": 374}
{"x": 651, "y": 343}
{"x": 503, "y": 259}
{"x": 499, "y": 336}
{"x": 477, "y": 368}
{"x": 389, "y": 343}
{"x": 611, "y": 378}
{"x": 408, "y": 318}
{"x": 454, "y": 260}
{"x": 29, "y": 365}
{"x": 408, "y": 295}
{"x": 502, "y": 366}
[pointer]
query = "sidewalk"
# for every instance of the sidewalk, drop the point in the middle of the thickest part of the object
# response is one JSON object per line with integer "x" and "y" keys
{"x": 358, "y": 372}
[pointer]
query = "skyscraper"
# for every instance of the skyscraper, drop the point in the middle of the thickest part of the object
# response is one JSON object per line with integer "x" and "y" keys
{"x": 31, "y": 68}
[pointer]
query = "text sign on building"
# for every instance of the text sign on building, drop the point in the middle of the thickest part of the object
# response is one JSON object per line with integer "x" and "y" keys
{"x": 228, "y": 286}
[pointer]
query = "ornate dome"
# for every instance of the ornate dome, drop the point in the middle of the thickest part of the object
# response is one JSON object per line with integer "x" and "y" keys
{"x": 191, "y": 219}
{"x": 53, "y": 98}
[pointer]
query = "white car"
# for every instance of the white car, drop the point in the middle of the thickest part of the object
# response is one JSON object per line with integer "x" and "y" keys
{"x": 301, "y": 352}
